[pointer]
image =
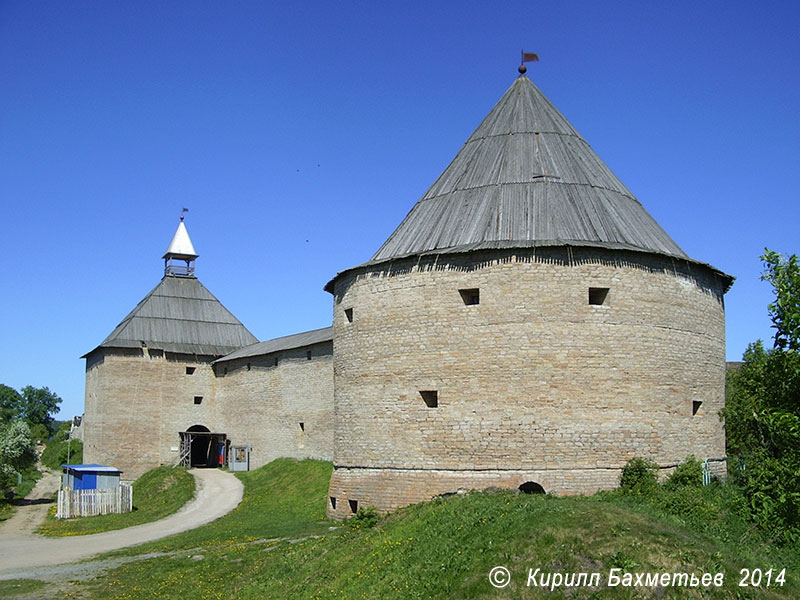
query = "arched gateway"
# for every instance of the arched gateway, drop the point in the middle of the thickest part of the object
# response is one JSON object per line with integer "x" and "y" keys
{"x": 202, "y": 448}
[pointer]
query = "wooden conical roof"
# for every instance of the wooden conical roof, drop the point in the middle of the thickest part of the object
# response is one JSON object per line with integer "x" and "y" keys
{"x": 526, "y": 177}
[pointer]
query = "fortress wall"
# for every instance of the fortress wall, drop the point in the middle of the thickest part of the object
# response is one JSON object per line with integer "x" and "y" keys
{"x": 533, "y": 381}
{"x": 263, "y": 405}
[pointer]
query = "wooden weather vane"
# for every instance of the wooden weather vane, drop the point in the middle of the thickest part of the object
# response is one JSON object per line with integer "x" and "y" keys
{"x": 527, "y": 57}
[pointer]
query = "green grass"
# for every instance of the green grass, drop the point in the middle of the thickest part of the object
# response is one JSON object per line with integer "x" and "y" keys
{"x": 444, "y": 548}
{"x": 59, "y": 452}
{"x": 14, "y": 587}
{"x": 285, "y": 498}
{"x": 156, "y": 494}
{"x": 29, "y": 479}
{"x": 6, "y": 510}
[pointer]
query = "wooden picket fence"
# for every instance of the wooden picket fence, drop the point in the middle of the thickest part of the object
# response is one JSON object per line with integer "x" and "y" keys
{"x": 88, "y": 503}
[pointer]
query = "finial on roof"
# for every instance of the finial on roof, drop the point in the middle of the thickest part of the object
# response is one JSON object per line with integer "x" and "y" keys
{"x": 180, "y": 249}
{"x": 526, "y": 57}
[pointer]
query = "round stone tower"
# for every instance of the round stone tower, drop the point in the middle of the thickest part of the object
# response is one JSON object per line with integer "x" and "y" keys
{"x": 528, "y": 325}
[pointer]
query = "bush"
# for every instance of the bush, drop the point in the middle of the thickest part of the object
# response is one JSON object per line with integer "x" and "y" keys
{"x": 17, "y": 453}
{"x": 639, "y": 476}
{"x": 365, "y": 518}
{"x": 687, "y": 474}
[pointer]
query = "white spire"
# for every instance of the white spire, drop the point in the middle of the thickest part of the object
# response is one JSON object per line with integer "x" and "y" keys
{"x": 181, "y": 245}
{"x": 180, "y": 249}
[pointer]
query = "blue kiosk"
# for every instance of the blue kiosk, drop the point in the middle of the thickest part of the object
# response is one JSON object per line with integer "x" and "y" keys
{"x": 89, "y": 477}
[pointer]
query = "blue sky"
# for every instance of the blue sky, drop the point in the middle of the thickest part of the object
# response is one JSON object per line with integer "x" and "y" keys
{"x": 300, "y": 134}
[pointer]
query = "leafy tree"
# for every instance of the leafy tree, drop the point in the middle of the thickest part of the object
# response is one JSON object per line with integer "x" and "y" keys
{"x": 39, "y": 405}
{"x": 16, "y": 452}
{"x": 40, "y": 433}
{"x": 10, "y": 401}
{"x": 784, "y": 275}
{"x": 762, "y": 411}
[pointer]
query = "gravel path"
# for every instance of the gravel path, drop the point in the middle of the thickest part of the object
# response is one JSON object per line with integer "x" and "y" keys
{"x": 26, "y": 555}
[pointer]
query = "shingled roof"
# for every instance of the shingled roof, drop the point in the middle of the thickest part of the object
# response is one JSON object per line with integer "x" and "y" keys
{"x": 180, "y": 315}
{"x": 525, "y": 178}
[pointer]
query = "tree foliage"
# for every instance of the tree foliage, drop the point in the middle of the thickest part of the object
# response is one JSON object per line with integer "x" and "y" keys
{"x": 10, "y": 401}
{"x": 17, "y": 452}
{"x": 762, "y": 414}
{"x": 784, "y": 275}
{"x": 39, "y": 405}
{"x": 35, "y": 406}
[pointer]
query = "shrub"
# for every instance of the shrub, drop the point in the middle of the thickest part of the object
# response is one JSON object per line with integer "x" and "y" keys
{"x": 639, "y": 476}
{"x": 687, "y": 474}
{"x": 365, "y": 518}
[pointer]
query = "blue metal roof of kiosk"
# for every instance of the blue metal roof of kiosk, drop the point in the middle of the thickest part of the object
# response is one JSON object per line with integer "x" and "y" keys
{"x": 91, "y": 468}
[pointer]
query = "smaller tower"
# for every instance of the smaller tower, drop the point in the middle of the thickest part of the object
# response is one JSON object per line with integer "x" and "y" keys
{"x": 180, "y": 249}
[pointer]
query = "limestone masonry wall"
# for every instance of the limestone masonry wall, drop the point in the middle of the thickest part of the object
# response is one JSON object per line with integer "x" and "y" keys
{"x": 533, "y": 383}
{"x": 137, "y": 401}
{"x": 283, "y": 410}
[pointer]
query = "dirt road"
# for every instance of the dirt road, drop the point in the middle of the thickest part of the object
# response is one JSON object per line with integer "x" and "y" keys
{"x": 22, "y": 552}
{"x": 27, "y": 517}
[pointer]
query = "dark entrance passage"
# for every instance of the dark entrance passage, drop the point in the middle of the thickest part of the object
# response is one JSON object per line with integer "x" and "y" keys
{"x": 202, "y": 448}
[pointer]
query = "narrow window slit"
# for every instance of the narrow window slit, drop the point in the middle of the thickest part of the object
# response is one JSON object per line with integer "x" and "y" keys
{"x": 696, "y": 406}
{"x": 348, "y": 313}
{"x": 431, "y": 398}
{"x": 470, "y": 296}
{"x": 353, "y": 506}
{"x": 198, "y": 399}
{"x": 597, "y": 296}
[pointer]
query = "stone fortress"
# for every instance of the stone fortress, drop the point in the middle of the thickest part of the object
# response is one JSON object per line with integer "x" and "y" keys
{"x": 528, "y": 325}
{"x": 180, "y": 379}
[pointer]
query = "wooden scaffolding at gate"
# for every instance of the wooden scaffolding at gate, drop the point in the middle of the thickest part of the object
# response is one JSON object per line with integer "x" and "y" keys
{"x": 185, "y": 456}
{"x": 216, "y": 449}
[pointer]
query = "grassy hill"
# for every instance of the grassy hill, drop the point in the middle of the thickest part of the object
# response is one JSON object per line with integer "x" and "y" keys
{"x": 156, "y": 494}
{"x": 277, "y": 544}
